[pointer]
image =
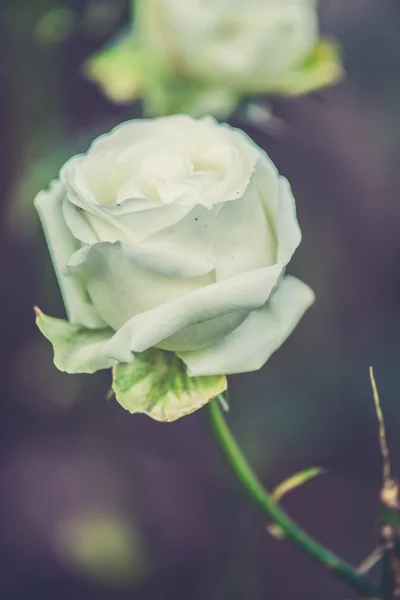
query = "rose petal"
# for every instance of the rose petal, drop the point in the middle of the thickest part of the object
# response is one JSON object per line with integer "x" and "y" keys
{"x": 124, "y": 280}
{"x": 250, "y": 346}
{"x": 242, "y": 238}
{"x": 139, "y": 225}
{"x": 280, "y": 207}
{"x": 62, "y": 245}
{"x": 78, "y": 223}
{"x": 287, "y": 227}
{"x": 242, "y": 292}
{"x": 205, "y": 333}
{"x": 133, "y": 220}
{"x": 193, "y": 233}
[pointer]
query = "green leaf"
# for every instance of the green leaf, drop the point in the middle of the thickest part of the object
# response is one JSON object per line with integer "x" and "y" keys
{"x": 289, "y": 485}
{"x": 157, "y": 383}
{"x": 294, "y": 482}
{"x": 76, "y": 349}
{"x": 321, "y": 67}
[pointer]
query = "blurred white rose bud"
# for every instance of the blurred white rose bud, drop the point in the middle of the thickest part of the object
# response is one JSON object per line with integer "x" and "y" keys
{"x": 170, "y": 240}
{"x": 202, "y": 56}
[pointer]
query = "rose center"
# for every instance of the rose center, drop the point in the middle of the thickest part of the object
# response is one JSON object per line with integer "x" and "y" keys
{"x": 173, "y": 176}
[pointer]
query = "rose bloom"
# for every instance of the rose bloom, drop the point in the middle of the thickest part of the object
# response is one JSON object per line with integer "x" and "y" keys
{"x": 205, "y": 56}
{"x": 246, "y": 45}
{"x": 174, "y": 233}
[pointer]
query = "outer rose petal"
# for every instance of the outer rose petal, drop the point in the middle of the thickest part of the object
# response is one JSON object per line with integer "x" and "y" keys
{"x": 246, "y": 291}
{"x": 287, "y": 226}
{"x": 76, "y": 349}
{"x": 249, "y": 347}
{"x": 124, "y": 280}
{"x": 280, "y": 207}
{"x": 62, "y": 245}
{"x": 235, "y": 236}
{"x": 242, "y": 238}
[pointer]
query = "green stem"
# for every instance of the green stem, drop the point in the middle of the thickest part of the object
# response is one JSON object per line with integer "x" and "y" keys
{"x": 338, "y": 567}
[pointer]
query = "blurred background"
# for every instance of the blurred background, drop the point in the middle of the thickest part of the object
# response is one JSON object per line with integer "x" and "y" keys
{"x": 98, "y": 504}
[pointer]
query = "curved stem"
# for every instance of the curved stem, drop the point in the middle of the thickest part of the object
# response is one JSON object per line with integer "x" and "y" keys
{"x": 245, "y": 475}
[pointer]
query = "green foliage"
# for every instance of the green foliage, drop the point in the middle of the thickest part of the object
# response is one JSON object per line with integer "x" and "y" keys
{"x": 295, "y": 481}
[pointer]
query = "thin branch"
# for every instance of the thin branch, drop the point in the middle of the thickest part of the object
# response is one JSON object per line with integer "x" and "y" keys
{"x": 387, "y": 476}
{"x": 389, "y": 512}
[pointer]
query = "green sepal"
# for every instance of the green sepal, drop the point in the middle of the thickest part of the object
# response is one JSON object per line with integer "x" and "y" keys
{"x": 157, "y": 383}
{"x": 122, "y": 69}
{"x": 167, "y": 94}
{"x": 76, "y": 348}
{"x": 321, "y": 67}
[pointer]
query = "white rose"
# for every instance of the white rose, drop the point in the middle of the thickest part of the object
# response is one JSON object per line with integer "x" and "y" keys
{"x": 204, "y": 56}
{"x": 244, "y": 44}
{"x": 172, "y": 234}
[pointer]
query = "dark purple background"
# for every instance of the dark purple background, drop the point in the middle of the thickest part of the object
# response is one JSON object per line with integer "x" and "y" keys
{"x": 69, "y": 457}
